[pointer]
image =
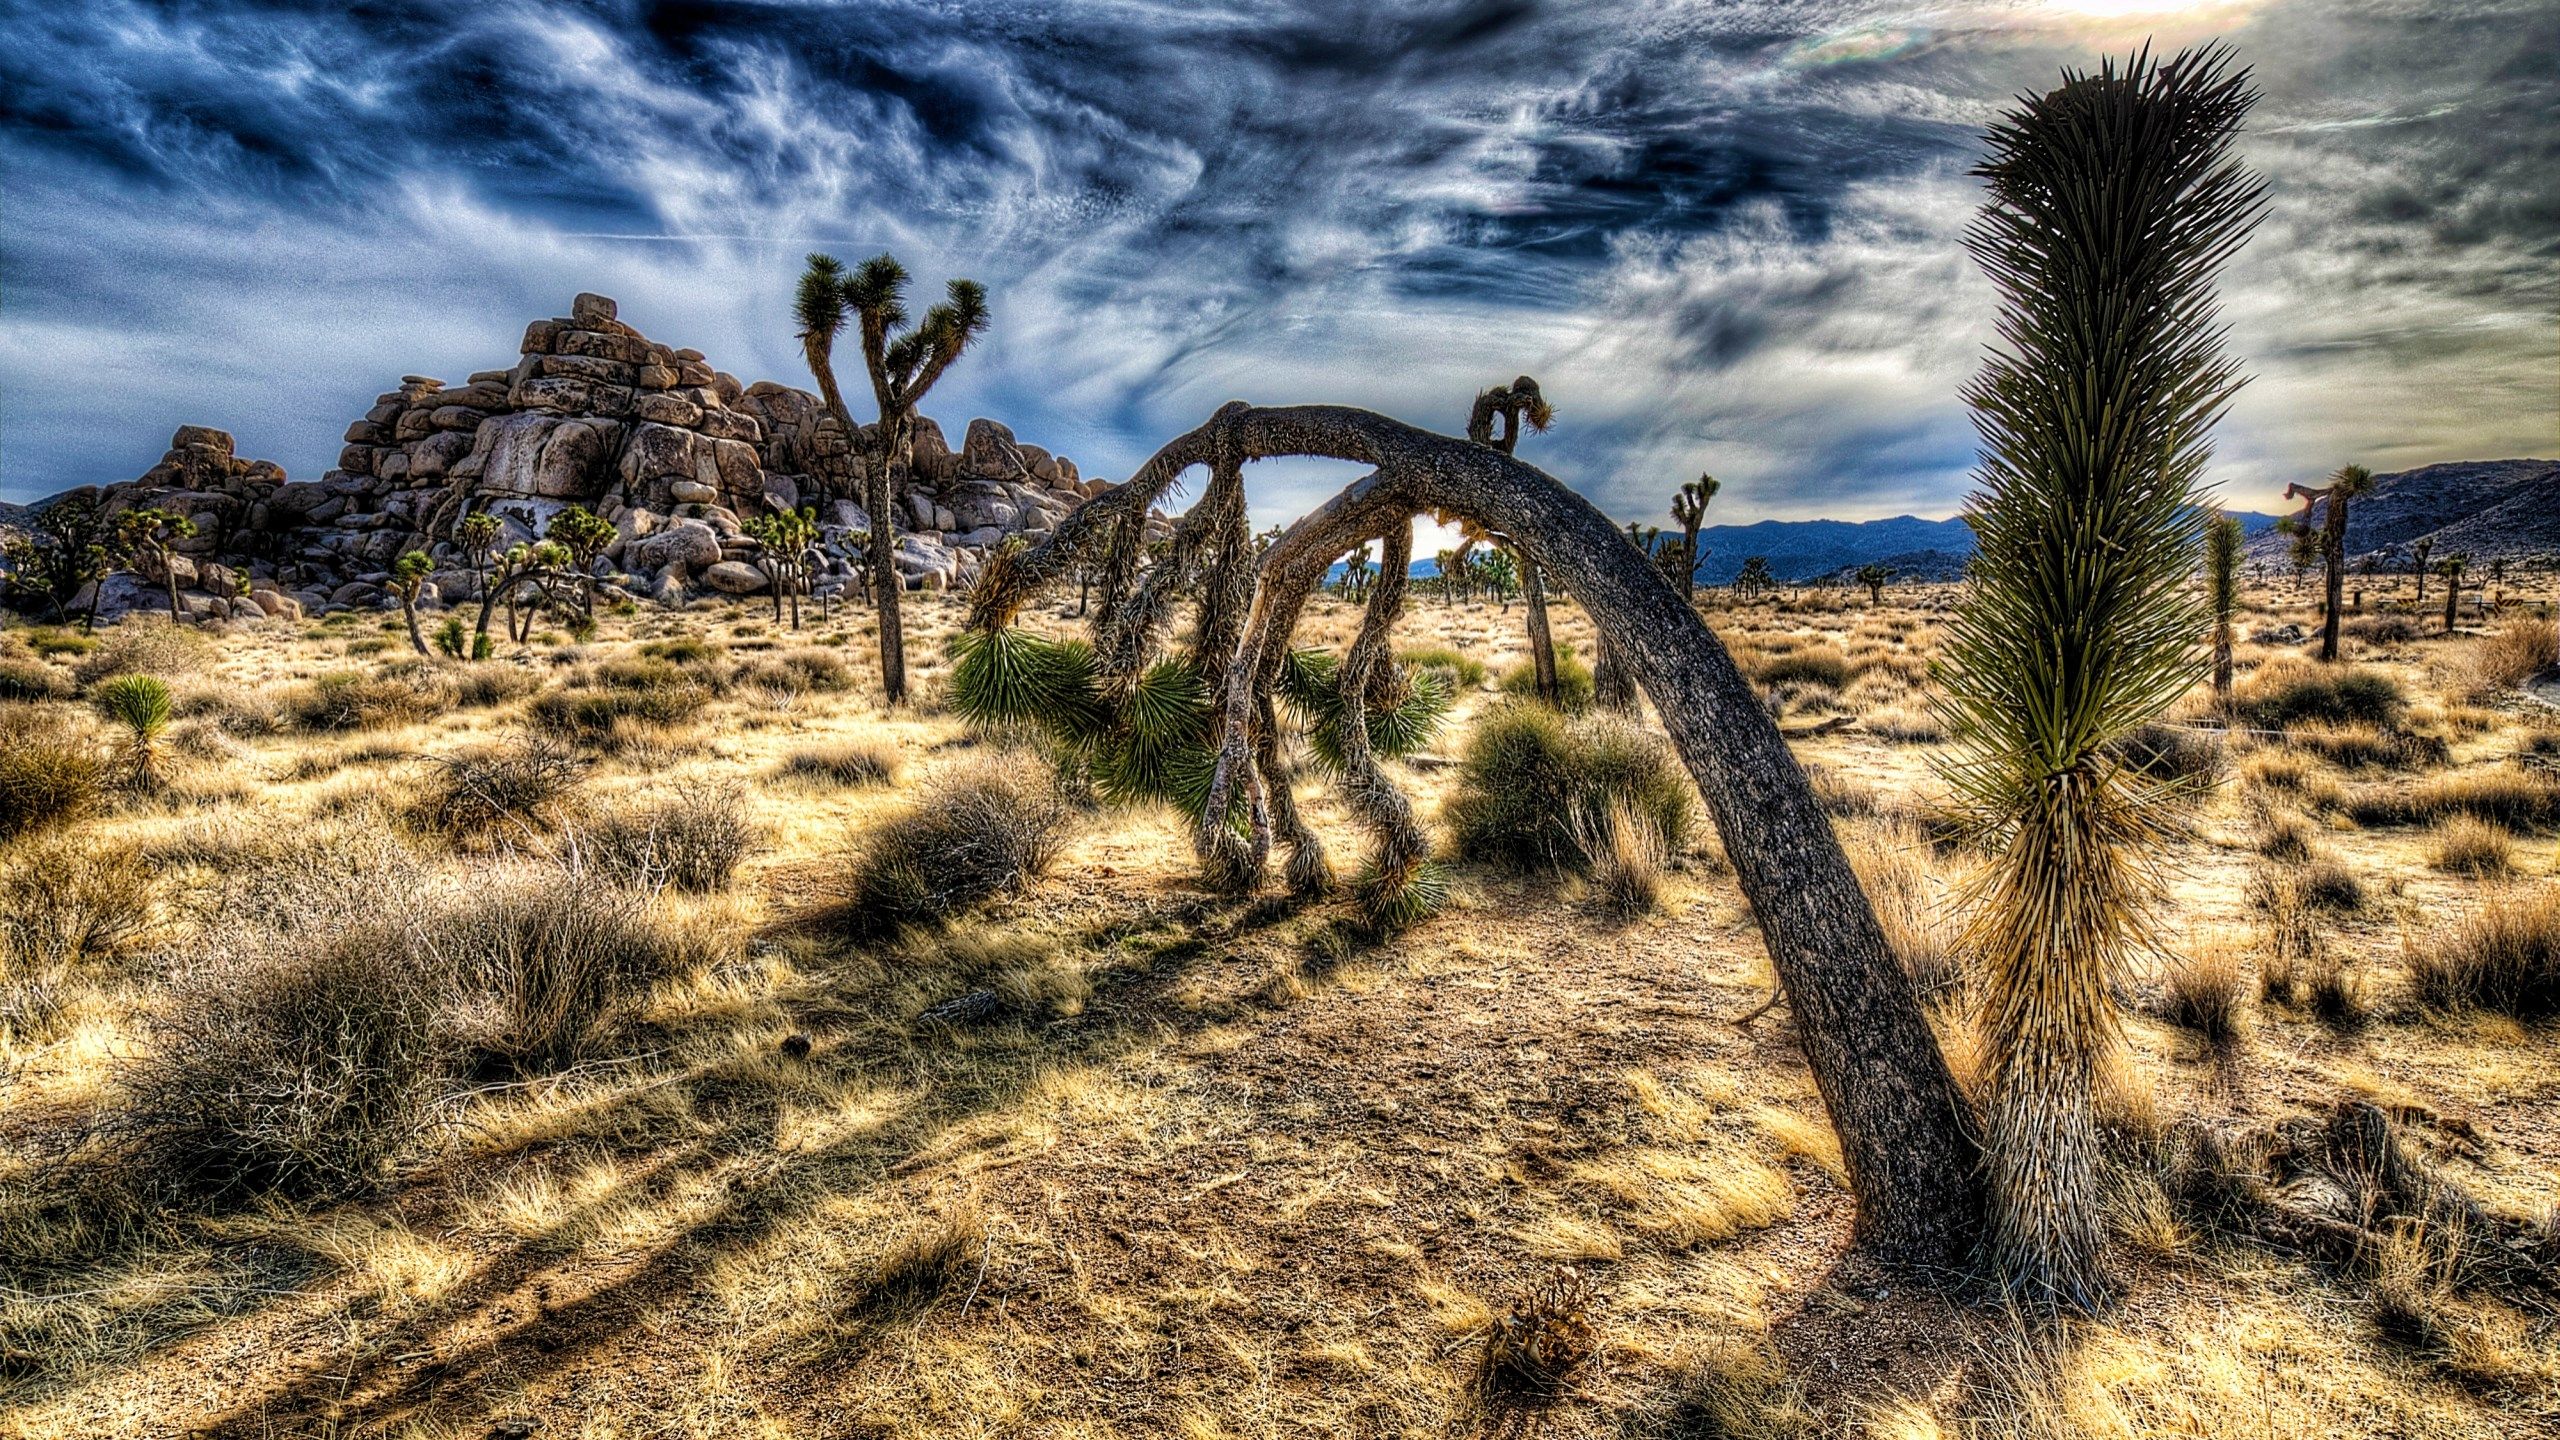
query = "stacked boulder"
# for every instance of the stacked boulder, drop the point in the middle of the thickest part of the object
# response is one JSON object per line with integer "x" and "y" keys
{"x": 671, "y": 451}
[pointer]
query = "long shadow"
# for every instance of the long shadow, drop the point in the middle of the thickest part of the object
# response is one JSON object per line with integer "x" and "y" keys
{"x": 480, "y": 1339}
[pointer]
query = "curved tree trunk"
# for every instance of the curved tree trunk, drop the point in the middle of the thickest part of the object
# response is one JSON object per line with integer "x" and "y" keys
{"x": 1902, "y": 1124}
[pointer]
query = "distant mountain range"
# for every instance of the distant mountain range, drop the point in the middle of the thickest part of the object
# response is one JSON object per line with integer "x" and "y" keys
{"x": 2485, "y": 509}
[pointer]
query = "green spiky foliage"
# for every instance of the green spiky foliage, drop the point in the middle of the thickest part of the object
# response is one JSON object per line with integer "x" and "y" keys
{"x": 1401, "y": 716}
{"x": 1874, "y": 578}
{"x": 2114, "y": 201}
{"x": 582, "y": 535}
{"x": 138, "y": 706}
{"x": 453, "y": 638}
{"x": 2222, "y": 538}
{"x": 477, "y": 536}
{"x": 786, "y": 544}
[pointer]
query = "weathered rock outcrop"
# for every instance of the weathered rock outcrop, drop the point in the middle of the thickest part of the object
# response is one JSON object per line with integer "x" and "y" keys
{"x": 673, "y": 452}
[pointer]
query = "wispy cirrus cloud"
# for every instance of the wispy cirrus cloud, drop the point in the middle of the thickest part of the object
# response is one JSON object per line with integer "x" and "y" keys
{"x": 1725, "y": 236}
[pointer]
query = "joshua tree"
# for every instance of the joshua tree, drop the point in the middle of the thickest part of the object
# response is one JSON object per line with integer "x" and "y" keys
{"x": 1754, "y": 579}
{"x": 408, "y": 573}
{"x": 582, "y": 535}
{"x": 65, "y": 547}
{"x": 139, "y": 707}
{"x": 2451, "y": 568}
{"x": 1873, "y": 577}
{"x": 538, "y": 568}
{"x": 477, "y": 533}
{"x": 2113, "y": 202}
{"x": 2222, "y": 595}
{"x": 2329, "y": 541}
{"x": 1910, "y": 1159}
{"x": 1689, "y": 507}
{"x": 784, "y": 543}
{"x": 904, "y": 367}
{"x": 1496, "y": 420}
{"x": 2419, "y": 549}
{"x": 147, "y": 539}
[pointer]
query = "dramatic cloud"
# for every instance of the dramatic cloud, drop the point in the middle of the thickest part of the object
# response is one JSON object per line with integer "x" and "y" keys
{"x": 1725, "y": 234}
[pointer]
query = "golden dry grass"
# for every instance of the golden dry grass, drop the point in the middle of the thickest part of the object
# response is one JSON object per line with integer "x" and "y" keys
{"x": 1115, "y": 1157}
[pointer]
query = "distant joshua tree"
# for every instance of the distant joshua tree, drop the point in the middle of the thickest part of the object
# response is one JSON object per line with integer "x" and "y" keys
{"x": 1873, "y": 577}
{"x": 2113, "y": 202}
{"x": 66, "y": 547}
{"x": 477, "y": 533}
{"x": 2419, "y": 549}
{"x": 408, "y": 574}
{"x": 1754, "y": 579}
{"x": 147, "y": 539}
{"x": 904, "y": 368}
{"x": 785, "y": 542}
{"x": 2328, "y": 541}
{"x": 2222, "y": 536}
{"x": 1495, "y": 421}
{"x": 1689, "y": 507}
{"x": 2451, "y": 568}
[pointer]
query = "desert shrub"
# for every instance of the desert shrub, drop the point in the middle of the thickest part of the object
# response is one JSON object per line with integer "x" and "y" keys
{"x": 523, "y": 786}
{"x": 482, "y": 686}
{"x": 842, "y": 762}
{"x": 2362, "y": 746}
{"x": 2465, "y": 845}
{"x": 1624, "y": 852}
{"x": 2519, "y": 650}
{"x": 1462, "y": 670}
{"x": 1904, "y": 725}
{"x": 140, "y": 645}
{"x": 48, "y": 775}
{"x": 300, "y": 1073}
{"x": 1574, "y": 684}
{"x": 1528, "y": 773}
{"x": 605, "y": 715}
{"x": 684, "y": 650}
{"x": 934, "y": 1257}
{"x": 49, "y": 641}
{"x": 1532, "y": 1352}
{"x": 2173, "y": 754}
{"x": 692, "y": 841}
{"x": 642, "y": 672}
{"x": 345, "y": 700}
{"x": 1818, "y": 665}
{"x": 2502, "y": 956}
{"x": 64, "y": 900}
{"x": 1843, "y": 796}
{"x": 2330, "y": 886}
{"x": 1892, "y": 865}
{"x": 973, "y": 836}
{"x": 2285, "y": 693}
{"x": 2206, "y": 995}
{"x": 545, "y": 965}
{"x": 2390, "y": 627}
{"x": 2517, "y": 799}
{"x": 31, "y": 680}
{"x": 800, "y": 672}
{"x": 138, "y": 706}
{"x": 2284, "y": 836}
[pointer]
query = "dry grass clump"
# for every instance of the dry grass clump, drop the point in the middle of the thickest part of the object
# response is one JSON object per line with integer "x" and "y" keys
{"x": 2466, "y": 845}
{"x": 48, "y": 775}
{"x": 478, "y": 687}
{"x": 1529, "y": 776}
{"x": 972, "y": 836}
{"x": 1892, "y": 864}
{"x": 935, "y": 1258}
{"x": 2519, "y": 650}
{"x": 2193, "y": 760}
{"x": 1624, "y": 853}
{"x": 30, "y": 680}
{"x": 2357, "y": 747}
{"x": 546, "y": 964}
{"x": 2389, "y": 627}
{"x": 1819, "y": 665}
{"x": 2289, "y": 692}
{"x": 1459, "y": 669}
{"x": 145, "y": 644}
{"x": 1904, "y": 725}
{"x": 1575, "y": 686}
{"x": 2503, "y": 956}
{"x": 2284, "y": 836}
{"x": 693, "y": 840}
{"x": 841, "y": 762}
{"x": 68, "y": 899}
{"x": 608, "y": 715}
{"x": 688, "y": 650}
{"x": 516, "y": 790}
{"x": 2331, "y": 886}
{"x": 800, "y": 672}
{"x": 1728, "y": 1393}
{"x": 1532, "y": 1351}
{"x": 2206, "y": 994}
{"x": 347, "y": 700}
{"x": 299, "y": 1074}
{"x": 2517, "y": 799}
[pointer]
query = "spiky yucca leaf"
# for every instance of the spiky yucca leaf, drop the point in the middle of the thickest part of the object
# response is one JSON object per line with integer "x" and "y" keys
{"x": 1310, "y": 681}
{"x": 1391, "y": 905}
{"x": 140, "y": 705}
{"x": 1011, "y": 676}
{"x": 1164, "y": 716}
{"x": 2114, "y": 201}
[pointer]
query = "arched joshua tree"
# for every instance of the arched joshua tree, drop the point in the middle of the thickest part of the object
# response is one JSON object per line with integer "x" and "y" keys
{"x": 1901, "y": 1121}
{"x": 2114, "y": 200}
{"x": 904, "y": 368}
{"x": 2328, "y": 540}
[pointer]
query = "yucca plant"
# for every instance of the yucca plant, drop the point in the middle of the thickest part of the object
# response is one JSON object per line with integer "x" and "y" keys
{"x": 139, "y": 707}
{"x": 2222, "y": 596}
{"x": 408, "y": 576}
{"x": 2114, "y": 201}
{"x": 2327, "y": 541}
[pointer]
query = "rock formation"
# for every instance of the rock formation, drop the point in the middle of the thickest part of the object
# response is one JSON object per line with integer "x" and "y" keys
{"x": 673, "y": 452}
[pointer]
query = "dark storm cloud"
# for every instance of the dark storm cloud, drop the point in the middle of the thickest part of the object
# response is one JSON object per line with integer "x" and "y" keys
{"x": 1725, "y": 234}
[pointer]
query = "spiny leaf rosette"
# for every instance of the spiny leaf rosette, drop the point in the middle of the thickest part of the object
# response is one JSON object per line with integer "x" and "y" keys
{"x": 2114, "y": 201}
{"x": 1902, "y": 1124}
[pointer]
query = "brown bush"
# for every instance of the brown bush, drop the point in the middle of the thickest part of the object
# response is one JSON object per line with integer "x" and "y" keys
{"x": 2517, "y": 799}
{"x": 517, "y": 790}
{"x": 345, "y": 700}
{"x": 2465, "y": 845}
{"x": 2503, "y": 956}
{"x": 843, "y": 762}
{"x": 693, "y": 840}
{"x": 545, "y": 964}
{"x": 973, "y": 836}
{"x": 48, "y": 775}
{"x": 2206, "y": 995}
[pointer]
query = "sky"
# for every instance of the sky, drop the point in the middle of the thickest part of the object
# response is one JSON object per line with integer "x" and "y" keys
{"x": 1726, "y": 237}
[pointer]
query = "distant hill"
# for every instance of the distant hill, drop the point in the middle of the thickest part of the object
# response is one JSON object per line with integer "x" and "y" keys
{"x": 2487, "y": 509}
{"x": 1813, "y": 551}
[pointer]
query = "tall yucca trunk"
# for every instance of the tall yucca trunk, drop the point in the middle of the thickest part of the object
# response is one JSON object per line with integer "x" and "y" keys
{"x": 2222, "y": 539}
{"x": 2114, "y": 201}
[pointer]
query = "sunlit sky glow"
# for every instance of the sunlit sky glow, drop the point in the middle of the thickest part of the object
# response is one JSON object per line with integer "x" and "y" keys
{"x": 1724, "y": 235}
